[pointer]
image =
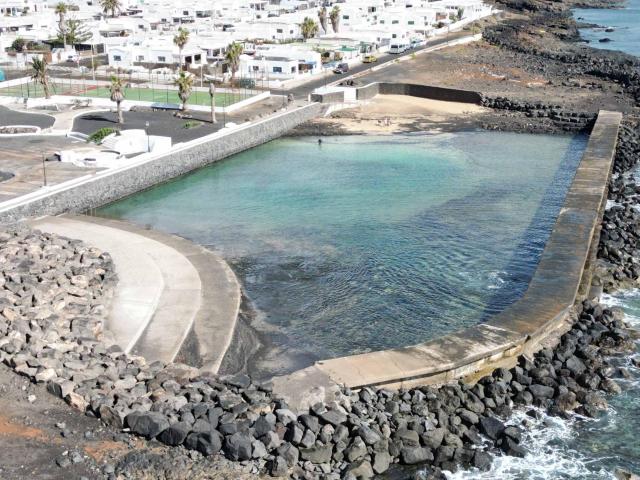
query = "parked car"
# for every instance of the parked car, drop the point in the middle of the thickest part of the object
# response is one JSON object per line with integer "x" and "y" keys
{"x": 370, "y": 59}
{"x": 341, "y": 68}
{"x": 398, "y": 48}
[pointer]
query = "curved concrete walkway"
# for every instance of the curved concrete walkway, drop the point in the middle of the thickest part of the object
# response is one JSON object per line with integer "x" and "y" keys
{"x": 167, "y": 288}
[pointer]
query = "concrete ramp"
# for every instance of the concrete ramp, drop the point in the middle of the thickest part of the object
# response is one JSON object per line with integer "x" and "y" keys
{"x": 167, "y": 288}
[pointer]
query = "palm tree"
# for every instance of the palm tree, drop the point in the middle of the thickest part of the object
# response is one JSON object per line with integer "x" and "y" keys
{"x": 40, "y": 74}
{"x": 116, "y": 89}
{"x": 112, "y": 6}
{"x": 180, "y": 40}
{"x": 322, "y": 16}
{"x": 212, "y": 94}
{"x": 184, "y": 82}
{"x": 334, "y": 16}
{"x": 233, "y": 58}
{"x": 61, "y": 11}
{"x": 309, "y": 28}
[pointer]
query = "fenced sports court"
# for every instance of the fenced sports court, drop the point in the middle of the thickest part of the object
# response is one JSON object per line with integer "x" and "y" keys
{"x": 141, "y": 87}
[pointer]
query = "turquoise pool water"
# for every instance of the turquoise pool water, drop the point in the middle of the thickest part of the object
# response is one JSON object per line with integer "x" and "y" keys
{"x": 366, "y": 243}
{"x": 624, "y": 21}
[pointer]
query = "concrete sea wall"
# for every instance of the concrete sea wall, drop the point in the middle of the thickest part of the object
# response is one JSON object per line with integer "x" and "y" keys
{"x": 369, "y": 91}
{"x": 107, "y": 186}
{"x": 563, "y": 277}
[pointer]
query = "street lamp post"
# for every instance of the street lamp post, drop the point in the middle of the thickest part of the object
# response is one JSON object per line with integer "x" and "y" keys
{"x": 44, "y": 171}
{"x": 146, "y": 130}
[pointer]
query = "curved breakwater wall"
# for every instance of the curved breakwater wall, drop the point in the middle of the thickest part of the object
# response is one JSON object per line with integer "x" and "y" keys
{"x": 563, "y": 277}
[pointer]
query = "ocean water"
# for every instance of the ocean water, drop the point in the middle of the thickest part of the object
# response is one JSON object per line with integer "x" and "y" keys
{"x": 625, "y": 22}
{"x": 365, "y": 243}
{"x": 580, "y": 448}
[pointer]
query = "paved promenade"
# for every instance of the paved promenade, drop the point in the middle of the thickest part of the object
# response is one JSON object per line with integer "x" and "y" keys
{"x": 167, "y": 288}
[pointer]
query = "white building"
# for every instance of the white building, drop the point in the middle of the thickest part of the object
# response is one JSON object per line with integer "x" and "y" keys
{"x": 154, "y": 52}
{"x": 280, "y": 63}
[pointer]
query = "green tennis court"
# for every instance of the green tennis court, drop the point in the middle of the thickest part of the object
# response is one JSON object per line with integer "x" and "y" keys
{"x": 160, "y": 95}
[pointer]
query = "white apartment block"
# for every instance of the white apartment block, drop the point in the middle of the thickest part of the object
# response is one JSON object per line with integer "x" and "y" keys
{"x": 142, "y": 35}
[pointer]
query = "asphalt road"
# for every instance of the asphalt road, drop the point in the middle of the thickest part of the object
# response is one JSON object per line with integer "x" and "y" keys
{"x": 305, "y": 89}
{"x": 12, "y": 117}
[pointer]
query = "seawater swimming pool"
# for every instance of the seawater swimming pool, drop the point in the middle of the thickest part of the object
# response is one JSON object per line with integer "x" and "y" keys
{"x": 365, "y": 242}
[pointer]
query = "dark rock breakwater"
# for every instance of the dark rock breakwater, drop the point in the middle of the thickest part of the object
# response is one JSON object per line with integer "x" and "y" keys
{"x": 619, "y": 249}
{"x": 557, "y": 117}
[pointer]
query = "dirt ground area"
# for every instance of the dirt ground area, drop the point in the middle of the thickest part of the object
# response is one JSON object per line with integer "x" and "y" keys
{"x": 495, "y": 71}
{"x": 388, "y": 114}
{"x": 41, "y": 437}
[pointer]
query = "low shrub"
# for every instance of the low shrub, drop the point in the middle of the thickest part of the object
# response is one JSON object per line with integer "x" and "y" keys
{"x": 99, "y": 135}
{"x": 192, "y": 124}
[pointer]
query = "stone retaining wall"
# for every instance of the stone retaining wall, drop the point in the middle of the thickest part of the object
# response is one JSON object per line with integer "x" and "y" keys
{"x": 565, "y": 264}
{"x": 369, "y": 91}
{"x": 110, "y": 185}
{"x": 433, "y": 93}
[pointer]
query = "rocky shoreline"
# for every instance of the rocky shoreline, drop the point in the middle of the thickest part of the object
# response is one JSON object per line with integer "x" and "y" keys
{"x": 55, "y": 292}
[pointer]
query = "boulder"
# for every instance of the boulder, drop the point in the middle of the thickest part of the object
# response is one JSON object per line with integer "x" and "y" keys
{"x": 278, "y": 467}
{"x": 333, "y": 417}
{"x": 414, "y": 455}
{"x": 317, "y": 454}
{"x": 511, "y": 448}
{"x": 356, "y": 450}
{"x": 368, "y": 435}
{"x": 289, "y": 453}
{"x": 491, "y": 427}
{"x": 175, "y": 434}
{"x": 238, "y": 446}
{"x": 433, "y": 438}
{"x": 361, "y": 470}
{"x": 541, "y": 391}
{"x": 147, "y": 424}
{"x": 482, "y": 460}
{"x": 207, "y": 443}
{"x": 381, "y": 461}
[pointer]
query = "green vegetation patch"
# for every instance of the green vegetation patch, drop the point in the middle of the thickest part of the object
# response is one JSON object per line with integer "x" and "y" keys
{"x": 99, "y": 135}
{"x": 192, "y": 124}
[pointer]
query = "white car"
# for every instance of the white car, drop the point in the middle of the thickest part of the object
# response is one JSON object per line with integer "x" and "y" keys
{"x": 398, "y": 48}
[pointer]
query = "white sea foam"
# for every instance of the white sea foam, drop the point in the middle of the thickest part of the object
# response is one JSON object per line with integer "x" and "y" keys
{"x": 611, "y": 203}
{"x": 548, "y": 439}
{"x": 548, "y": 457}
{"x": 496, "y": 280}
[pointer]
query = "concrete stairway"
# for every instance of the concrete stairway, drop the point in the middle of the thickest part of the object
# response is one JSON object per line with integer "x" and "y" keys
{"x": 168, "y": 289}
